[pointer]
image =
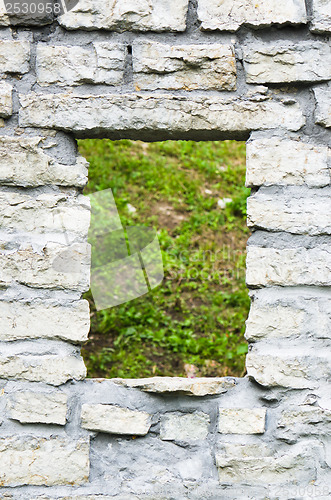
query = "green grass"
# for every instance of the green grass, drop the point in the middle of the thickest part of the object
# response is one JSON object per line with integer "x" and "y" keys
{"x": 193, "y": 323}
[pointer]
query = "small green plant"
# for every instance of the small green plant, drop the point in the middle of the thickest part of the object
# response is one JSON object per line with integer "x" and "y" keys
{"x": 193, "y": 323}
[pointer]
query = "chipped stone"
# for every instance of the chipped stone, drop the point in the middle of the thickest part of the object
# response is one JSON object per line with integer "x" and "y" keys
{"x": 37, "y": 407}
{"x": 114, "y": 420}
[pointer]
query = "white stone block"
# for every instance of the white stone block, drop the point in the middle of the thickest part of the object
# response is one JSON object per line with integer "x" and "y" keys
{"x": 323, "y": 105}
{"x": 38, "y": 407}
{"x": 242, "y": 420}
{"x": 187, "y": 67}
{"x": 321, "y": 21}
{"x": 114, "y": 420}
{"x": 44, "y": 321}
{"x": 126, "y": 15}
{"x": 6, "y": 100}
{"x": 14, "y": 56}
{"x": 229, "y": 15}
{"x": 187, "y": 428}
{"x": 286, "y": 162}
{"x": 39, "y": 461}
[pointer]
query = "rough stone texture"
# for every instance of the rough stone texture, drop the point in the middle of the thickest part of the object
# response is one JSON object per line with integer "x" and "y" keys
{"x": 14, "y": 56}
{"x": 284, "y": 162}
{"x": 50, "y": 266}
{"x": 45, "y": 213}
{"x": 284, "y": 63}
{"x": 191, "y": 387}
{"x": 38, "y": 407}
{"x": 165, "y": 114}
{"x": 303, "y": 421}
{"x": 114, "y": 420}
{"x": 289, "y": 266}
{"x": 6, "y": 102}
{"x": 23, "y": 163}
{"x": 241, "y": 420}
{"x": 321, "y": 21}
{"x": 187, "y": 428}
{"x": 44, "y": 321}
{"x": 188, "y": 67}
{"x": 45, "y": 462}
{"x": 123, "y": 15}
{"x": 63, "y": 65}
{"x": 53, "y": 370}
{"x": 231, "y": 14}
{"x": 291, "y": 210}
{"x": 323, "y": 108}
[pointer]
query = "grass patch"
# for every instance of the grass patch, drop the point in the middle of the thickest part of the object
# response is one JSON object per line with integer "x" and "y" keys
{"x": 193, "y": 324}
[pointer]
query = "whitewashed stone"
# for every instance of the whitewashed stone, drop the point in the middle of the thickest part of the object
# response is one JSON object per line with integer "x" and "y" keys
{"x": 44, "y": 321}
{"x": 323, "y": 108}
{"x": 294, "y": 464}
{"x": 190, "y": 386}
{"x": 241, "y": 420}
{"x": 45, "y": 213}
{"x": 51, "y": 369}
{"x": 115, "y": 420}
{"x": 53, "y": 266}
{"x": 278, "y": 62}
{"x": 231, "y": 14}
{"x": 38, "y": 407}
{"x": 321, "y": 21}
{"x": 187, "y": 67}
{"x": 24, "y": 163}
{"x": 289, "y": 266}
{"x": 296, "y": 212}
{"x": 187, "y": 428}
{"x": 286, "y": 162}
{"x": 164, "y": 114}
{"x": 14, "y": 56}
{"x": 73, "y": 65}
{"x": 303, "y": 421}
{"x": 272, "y": 322}
{"x": 6, "y": 101}
{"x": 126, "y": 15}
{"x": 46, "y": 462}
{"x": 298, "y": 371}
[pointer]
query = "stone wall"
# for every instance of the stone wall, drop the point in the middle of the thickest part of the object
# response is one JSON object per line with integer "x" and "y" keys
{"x": 154, "y": 70}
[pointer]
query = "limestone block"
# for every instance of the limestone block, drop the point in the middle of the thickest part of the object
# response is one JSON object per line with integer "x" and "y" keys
{"x": 229, "y": 15}
{"x": 51, "y": 369}
{"x": 164, "y": 114}
{"x": 53, "y": 266}
{"x": 294, "y": 211}
{"x": 323, "y": 105}
{"x": 296, "y": 464}
{"x": 115, "y": 420}
{"x": 38, "y": 461}
{"x": 272, "y": 322}
{"x": 24, "y": 163}
{"x": 38, "y": 407}
{"x": 242, "y": 420}
{"x": 286, "y": 162}
{"x": 303, "y": 420}
{"x": 6, "y": 101}
{"x": 14, "y": 56}
{"x": 187, "y": 67}
{"x": 126, "y": 15}
{"x": 73, "y": 65}
{"x": 187, "y": 428}
{"x": 321, "y": 21}
{"x": 288, "y": 266}
{"x": 289, "y": 62}
{"x": 191, "y": 387}
{"x": 44, "y": 321}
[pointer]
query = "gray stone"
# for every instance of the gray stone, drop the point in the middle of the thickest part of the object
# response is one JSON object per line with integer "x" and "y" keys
{"x": 14, "y": 56}
{"x": 323, "y": 108}
{"x": 126, "y": 15}
{"x": 44, "y": 321}
{"x": 242, "y": 420}
{"x": 187, "y": 67}
{"x": 38, "y": 407}
{"x": 114, "y": 420}
{"x": 231, "y": 14}
{"x": 321, "y": 21}
{"x": 303, "y": 421}
{"x": 44, "y": 462}
{"x": 286, "y": 63}
{"x": 187, "y": 428}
